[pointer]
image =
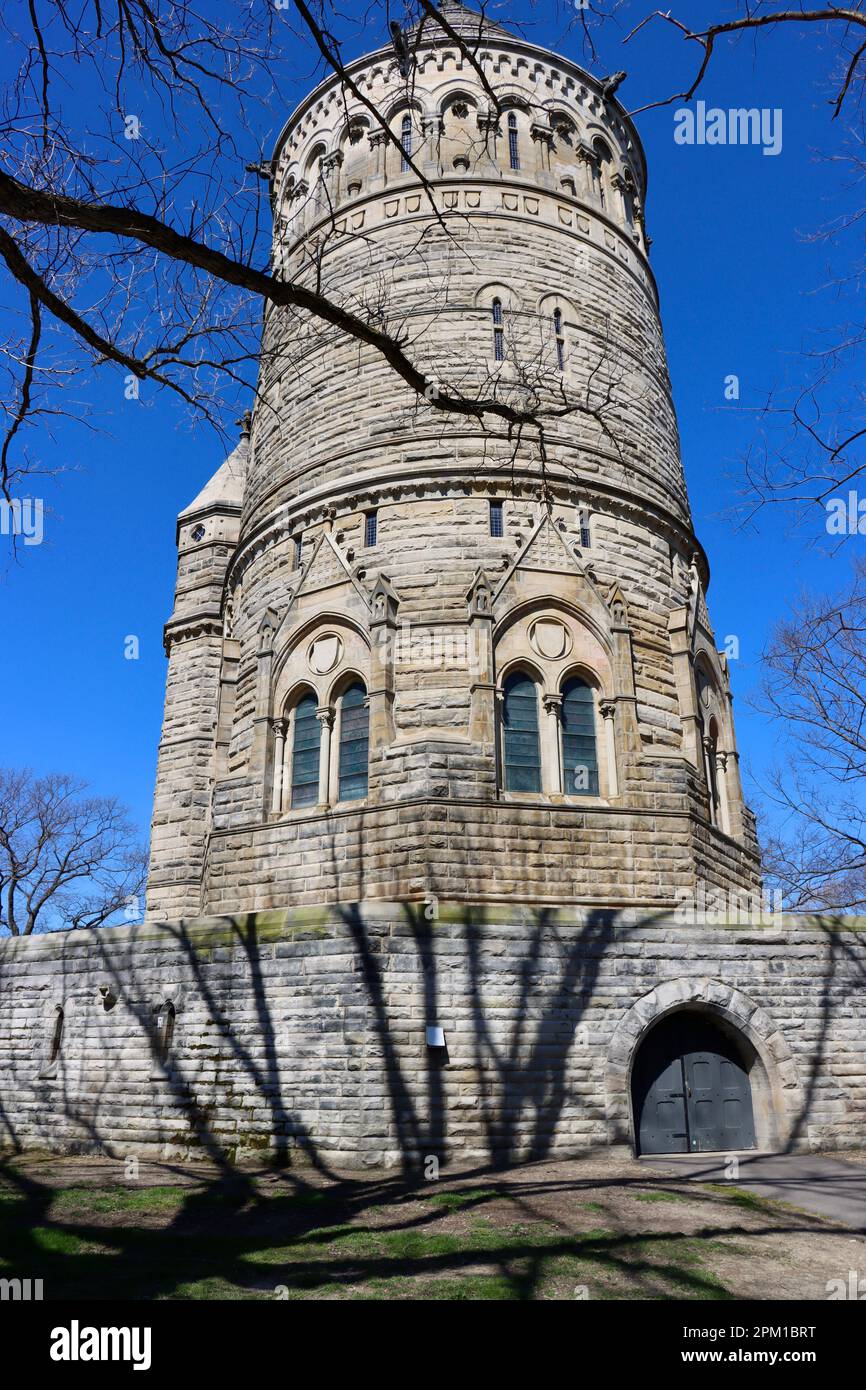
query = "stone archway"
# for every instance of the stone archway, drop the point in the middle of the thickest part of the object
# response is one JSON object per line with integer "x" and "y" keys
{"x": 777, "y": 1096}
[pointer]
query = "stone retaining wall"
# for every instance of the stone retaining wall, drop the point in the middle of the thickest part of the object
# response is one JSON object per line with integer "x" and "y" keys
{"x": 303, "y": 1032}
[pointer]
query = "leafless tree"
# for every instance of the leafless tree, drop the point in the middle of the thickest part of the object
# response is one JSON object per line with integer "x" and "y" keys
{"x": 66, "y": 859}
{"x": 815, "y": 688}
{"x": 136, "y": 230}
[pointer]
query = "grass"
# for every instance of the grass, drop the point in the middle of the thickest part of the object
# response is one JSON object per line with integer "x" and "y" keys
{"x": 271, "y": 1242}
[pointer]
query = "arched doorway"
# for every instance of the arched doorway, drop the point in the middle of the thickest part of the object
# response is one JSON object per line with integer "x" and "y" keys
{"x": 690, "y": 1087}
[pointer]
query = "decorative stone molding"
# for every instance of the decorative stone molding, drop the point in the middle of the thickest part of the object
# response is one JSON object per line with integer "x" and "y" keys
{"x": 187, "y": 629}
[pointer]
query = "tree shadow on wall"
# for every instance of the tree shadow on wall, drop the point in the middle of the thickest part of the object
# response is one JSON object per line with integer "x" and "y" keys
{"x": 516, "y": 1024}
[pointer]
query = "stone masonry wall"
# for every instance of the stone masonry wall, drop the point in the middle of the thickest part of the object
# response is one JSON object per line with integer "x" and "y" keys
{"x": 302, "y": 1034}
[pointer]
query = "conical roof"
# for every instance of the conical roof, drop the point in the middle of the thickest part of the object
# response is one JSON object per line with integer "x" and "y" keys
{"x": 466, "y": 22}
{"x": 226, "y": 487}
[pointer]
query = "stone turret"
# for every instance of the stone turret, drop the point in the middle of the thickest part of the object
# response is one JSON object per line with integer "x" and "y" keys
{"x": 414, "y": 654}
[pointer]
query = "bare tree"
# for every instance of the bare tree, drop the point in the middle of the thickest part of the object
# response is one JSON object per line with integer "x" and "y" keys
{"x": 137, "y": 230}
{"x": 66, "y": 859}
{"x": 815, "y": 689}
{"x": 809, "y": 439}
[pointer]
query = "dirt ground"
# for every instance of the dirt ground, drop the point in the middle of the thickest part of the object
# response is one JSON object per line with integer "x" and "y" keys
{"x": 598, "y": 1227}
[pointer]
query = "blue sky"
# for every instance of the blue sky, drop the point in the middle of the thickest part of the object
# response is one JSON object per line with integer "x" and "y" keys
{"x": 738, "y": 280}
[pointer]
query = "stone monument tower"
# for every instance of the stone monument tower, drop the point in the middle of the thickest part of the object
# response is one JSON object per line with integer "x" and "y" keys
{"x": 447, "y": 736}
{"x": 426, "y": 654}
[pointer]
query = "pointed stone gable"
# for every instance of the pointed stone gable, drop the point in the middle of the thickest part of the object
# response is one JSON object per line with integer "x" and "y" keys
{"x": 325, "y": 568}
{"x": 547, "y": 550}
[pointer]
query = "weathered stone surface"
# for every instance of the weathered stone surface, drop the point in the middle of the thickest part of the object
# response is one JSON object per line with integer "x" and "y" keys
{"x": 308, "y": 1037}
{"x": 274, "y": 565}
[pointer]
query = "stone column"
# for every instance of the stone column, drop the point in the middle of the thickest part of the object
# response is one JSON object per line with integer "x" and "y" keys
{"x": 431, "y": 129}
{"x": 551, "y": 754}
{"x": 379, "y": 146}
{"x": 608, "y": 713}
{"x": 585, "y": 159}
{"x": 722, "y": 784}
{"x": 331, "y": 165}
{"x": 542, "y": 137}
{"x": 383, "y": 628}
{"x": 262, "y": 719}
{"x": 710, "y": 774}
{"x": 678, "y": 628}
{"x": 325, "y": 716}
{"x": 279, "y": 727}
{"x": 482, "y": 713}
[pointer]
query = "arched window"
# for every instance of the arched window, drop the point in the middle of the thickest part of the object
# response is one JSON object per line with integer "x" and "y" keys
{"x": 406, "y": 142}
{"x": 513, "y": 147}
{"x": 354, "y": 743}
{"x": 579, "y": 752}
{"x": 559, "y": 339}
{"x": 305, "y": 753}
{"x": 521, "y": 752}
{"x": 498, "y": 331}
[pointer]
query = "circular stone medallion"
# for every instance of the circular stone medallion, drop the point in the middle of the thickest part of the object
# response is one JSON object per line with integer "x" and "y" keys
{"x": 550, "y": 639}
{"x": 324, "y": 654}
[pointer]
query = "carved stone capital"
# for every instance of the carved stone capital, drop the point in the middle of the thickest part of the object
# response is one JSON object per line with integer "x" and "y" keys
{"x": 542, "y": 134}
{"x": 552, "y": 704}
{"x": 325, "y": 716}
{"x": 607, "y": 709}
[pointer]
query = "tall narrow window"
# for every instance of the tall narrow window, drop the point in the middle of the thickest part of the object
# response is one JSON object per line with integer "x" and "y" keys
{"x": 371, "y": 528}
{"x": 521, "y": 752}
{"x": 498, "y": 331}
{"x": 560, "y": 340}
{"x": 164, "y": 1031}
{"x": 496, "y": 526}
{"x": 585, "y": 537}
{"x": 405, "y": 142}
{"x": 579, "y": 752}
{"x": 305, "y": 753}
{"x": 513, "y": 147}
{"x": 299, "y": 550}
{"x": 56, "y": 1037}
{"x": 354, "y": 743}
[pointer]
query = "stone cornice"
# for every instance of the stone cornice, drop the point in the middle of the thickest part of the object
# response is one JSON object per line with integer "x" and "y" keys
{"x": 358, "y": 491}
{"x": 502, "y": 182}
{"x": 202, "y": 624}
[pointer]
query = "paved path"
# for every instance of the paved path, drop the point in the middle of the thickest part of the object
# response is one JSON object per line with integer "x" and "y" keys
{"x": 827, "y": 1186}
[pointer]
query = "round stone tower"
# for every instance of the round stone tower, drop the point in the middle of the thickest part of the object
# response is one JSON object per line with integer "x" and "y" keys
{"x": 460, "y": 654}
